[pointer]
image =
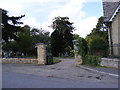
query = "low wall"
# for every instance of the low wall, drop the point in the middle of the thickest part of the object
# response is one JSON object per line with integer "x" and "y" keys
{"x": 109, "y": 62}
{"x": 20, "y": 60}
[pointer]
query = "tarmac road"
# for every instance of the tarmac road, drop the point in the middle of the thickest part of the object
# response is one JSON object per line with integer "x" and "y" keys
{"x": 61, "y": 75}
{"x": 18, "y": 80}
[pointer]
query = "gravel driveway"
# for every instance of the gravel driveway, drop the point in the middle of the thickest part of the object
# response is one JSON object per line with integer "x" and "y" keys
{"x": 65, "y": 69}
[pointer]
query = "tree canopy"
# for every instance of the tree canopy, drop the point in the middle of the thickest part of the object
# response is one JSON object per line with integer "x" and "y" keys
{"x": 10, "y": 26}
{"x": 21, "y": 40}
{"x": 97, "y": 40}
{"x": 61, "y": 38}
{"x": 81, "y": 44}
{"x": 26, "y": 41}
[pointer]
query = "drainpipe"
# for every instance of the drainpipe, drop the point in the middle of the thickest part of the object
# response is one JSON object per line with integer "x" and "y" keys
{"x": 110, "y": 39}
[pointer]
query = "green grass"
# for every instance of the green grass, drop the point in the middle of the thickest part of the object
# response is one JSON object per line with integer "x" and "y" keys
{"x": 96, "y": 66}
{"x": 65, "y": 57}
{"x": 56, "y": 60}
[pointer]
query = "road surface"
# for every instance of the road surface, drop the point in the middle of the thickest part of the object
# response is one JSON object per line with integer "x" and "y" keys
{"x": 61, "y": 75}
{"x": 18, "y": 80}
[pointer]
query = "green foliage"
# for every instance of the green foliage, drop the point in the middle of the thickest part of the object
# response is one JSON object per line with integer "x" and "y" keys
{"x": 61, "y": 38}
{"x": 10, "y": 26}
{"x": 97, "y": 40}
{"x": 91, "y": 60}
{"x": 11, "y": 46}
{"x": 56, "y": 42}
{"x": 76, "y": 36}
{"x": 49, "y": 59}
{"x": 19, "y": 39}
{"x": 27, "y": 40}
{"x": 56, "y": 60}
{"x": 82, "y": 45}
{"x": 94, "y": 45}
{"x": 83, "y": 51}
{"x": 98, "y": 43}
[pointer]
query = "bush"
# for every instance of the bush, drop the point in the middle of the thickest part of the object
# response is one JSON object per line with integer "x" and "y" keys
{"x": 49, "y": 59}
{"x": 97, "y": 46}
{"x": 91, "y": 60}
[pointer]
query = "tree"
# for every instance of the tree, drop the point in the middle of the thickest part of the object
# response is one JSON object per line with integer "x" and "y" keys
{"x": 9, "y": 46}
{"x": 10, "y": 26}
{"x": 97, "y": 40}
{"x": 21, "y": 39}
{"x": 40, "y": 35}
{"x": 25, "y": 41}
{"x": 29, "y": 37}
{"x": 82, "y": 45}
{"x": 56, "y": 43}
{"x": 61, "y": 38}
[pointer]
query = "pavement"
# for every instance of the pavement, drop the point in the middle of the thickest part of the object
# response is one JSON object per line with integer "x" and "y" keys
{"x": 65, "y": 71}
{"x": 106, "y": 71}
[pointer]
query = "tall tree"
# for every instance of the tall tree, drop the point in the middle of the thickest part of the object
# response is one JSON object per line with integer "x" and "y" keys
{"x": 40, "y": 35}
{"x": 62, "y": 36}
{"x": 97, "y": 40}
{"x": 25, "y": 41}
{"x": 10, "y": 26}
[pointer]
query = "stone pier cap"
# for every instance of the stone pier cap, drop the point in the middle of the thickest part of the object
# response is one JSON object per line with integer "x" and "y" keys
{"x": 37, "y": 44}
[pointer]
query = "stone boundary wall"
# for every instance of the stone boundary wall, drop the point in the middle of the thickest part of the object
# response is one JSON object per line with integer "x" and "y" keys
{"x": 109, "y": 62}
{"x": 20, "y": 60}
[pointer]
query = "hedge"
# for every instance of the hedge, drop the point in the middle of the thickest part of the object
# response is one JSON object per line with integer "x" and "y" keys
{"x": 91, "y": 60}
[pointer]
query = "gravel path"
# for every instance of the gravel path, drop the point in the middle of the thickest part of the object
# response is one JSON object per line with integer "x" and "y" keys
{"x": 65, "y": 69}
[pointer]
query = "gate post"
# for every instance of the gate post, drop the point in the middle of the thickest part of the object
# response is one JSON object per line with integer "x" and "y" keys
{"x": 41, "y": 53}
{"x": 78, "y": 57}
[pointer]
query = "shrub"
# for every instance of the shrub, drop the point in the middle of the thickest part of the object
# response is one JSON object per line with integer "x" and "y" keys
{"x": 91, "y": 60}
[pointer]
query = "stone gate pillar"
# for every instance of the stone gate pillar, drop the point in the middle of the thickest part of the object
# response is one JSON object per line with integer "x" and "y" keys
{"x": 41, "y": 53}
{"x": 78, "y": 57}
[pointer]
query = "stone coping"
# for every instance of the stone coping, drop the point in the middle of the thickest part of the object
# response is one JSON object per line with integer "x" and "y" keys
{"x": 112, "y": 59}
{"x": 109, "y": 62}
{"x": 20, "y": 60}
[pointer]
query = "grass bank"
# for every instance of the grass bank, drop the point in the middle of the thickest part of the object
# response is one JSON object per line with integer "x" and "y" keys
{"x": 56, "y": 60}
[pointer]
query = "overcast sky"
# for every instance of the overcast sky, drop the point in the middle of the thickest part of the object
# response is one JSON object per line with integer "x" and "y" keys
{"x": 39, "y": 13}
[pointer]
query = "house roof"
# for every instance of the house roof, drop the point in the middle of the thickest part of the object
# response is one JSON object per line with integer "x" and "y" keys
{"x": 110, "y": 9}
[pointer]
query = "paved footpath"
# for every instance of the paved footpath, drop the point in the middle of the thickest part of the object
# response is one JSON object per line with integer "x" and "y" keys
{"x": 65, "y": 70}
{"x": 107, "y": 70}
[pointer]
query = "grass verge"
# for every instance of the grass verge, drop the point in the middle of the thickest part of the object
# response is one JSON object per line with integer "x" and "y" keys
{"x": 95, "y": 66}
{"x": 56, "y": 60}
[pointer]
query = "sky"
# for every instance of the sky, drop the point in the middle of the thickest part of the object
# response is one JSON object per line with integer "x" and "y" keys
{"x": 40, "y": 13}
